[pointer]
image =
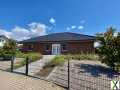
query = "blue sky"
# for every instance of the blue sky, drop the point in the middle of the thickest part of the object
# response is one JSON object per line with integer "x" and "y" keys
{"x": 79, "y": 16}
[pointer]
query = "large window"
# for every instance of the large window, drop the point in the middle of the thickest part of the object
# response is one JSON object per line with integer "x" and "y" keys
{"x": 64, "y": 47}
{"x": 47, "y": 47}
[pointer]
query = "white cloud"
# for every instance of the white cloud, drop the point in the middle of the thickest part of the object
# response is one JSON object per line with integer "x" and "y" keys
{"x": 73, "y": 27}
{"x": 68, "y": 28}
{"x": 52, "y": 20}
{"x": 80, "y": 27}
{"x": 6, "y": 33}
{"x": 37, "y": 29}
{"x": 19, "y": 33}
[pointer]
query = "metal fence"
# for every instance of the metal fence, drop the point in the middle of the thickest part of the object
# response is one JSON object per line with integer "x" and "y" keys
{"x": 71, "y": 75}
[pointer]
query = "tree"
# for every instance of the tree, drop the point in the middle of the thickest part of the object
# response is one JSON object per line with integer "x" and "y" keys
{"x": 109, "y": 49}
{"x": 9, "y": 49}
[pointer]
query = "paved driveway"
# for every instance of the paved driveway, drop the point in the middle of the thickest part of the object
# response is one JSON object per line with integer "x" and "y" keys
{"x": 11, "y": 81}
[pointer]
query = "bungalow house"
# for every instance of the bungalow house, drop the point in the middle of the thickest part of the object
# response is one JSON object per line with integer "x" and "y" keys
{"x": 3, "y": 40}
{"x": 60, "y": 43}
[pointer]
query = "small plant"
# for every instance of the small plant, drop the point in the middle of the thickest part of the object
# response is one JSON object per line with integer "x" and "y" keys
{"x": 58, "y": 60}
{"x": 82, "y": 56}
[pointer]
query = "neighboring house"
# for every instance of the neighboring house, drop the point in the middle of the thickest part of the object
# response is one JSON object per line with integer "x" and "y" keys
{"x": 3, "y": 40}
{"x": 60, "y": 43}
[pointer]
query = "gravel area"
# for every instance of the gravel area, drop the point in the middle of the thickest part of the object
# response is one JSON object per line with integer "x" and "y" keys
{"x": 11, "y": 81}
{"x": 84, "y": 75}
{"x": 4, "y": 65}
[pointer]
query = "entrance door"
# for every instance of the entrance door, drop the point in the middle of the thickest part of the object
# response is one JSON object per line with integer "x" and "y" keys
{"x": 56, "y": 49}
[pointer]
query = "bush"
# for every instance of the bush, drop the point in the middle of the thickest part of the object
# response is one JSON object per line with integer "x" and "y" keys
{"x": 109, "y": 50}
{"x": 8, "y": 50}
{"x": 32, "y": 56}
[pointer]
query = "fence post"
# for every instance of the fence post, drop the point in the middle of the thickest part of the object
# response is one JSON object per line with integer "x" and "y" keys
{"x": 12, "y": 63}
{"x": 27, "y": 63}
{"x": 68, "y": 75}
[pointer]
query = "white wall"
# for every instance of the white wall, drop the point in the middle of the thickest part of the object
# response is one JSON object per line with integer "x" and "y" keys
{"x": 2, "y": 42}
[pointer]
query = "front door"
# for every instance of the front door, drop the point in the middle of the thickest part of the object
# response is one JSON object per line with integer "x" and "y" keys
{"x": 56, "y": 50}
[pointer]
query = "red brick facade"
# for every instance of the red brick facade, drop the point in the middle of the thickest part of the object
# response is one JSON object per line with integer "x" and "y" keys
{"x": 71, "y": 47}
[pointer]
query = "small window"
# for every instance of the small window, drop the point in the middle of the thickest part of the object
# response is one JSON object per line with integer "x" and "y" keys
{"x": 47, "y": 47}
{"x": 64, "y": 47}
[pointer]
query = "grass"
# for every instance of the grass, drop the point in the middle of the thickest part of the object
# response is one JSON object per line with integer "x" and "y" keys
{"x": 82, "y": 56}
{"x": 60, "y": 59}
{"x": 32, "y": 57}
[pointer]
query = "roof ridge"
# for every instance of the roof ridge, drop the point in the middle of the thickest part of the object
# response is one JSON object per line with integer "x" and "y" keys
{"x": 68, "y": 33}
{"x": 61, "y": 36}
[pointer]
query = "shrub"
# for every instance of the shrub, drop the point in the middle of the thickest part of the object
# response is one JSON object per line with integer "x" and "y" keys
{"x": 109, "y": 50}
{"x": 32, "y": 56}
{"x": 9, "y": 49}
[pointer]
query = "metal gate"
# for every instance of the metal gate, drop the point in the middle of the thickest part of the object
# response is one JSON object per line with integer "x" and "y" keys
{"x": 73, "y": 75}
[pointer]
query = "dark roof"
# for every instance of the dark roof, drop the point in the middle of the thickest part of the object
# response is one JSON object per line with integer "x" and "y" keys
{"x": 3, "y": 36}
{"x": 65, "y": 36}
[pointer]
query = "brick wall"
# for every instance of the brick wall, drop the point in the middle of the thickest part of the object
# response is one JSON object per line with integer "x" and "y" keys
{"x": 72, "y": 47}
{"x": 85, "y": 47}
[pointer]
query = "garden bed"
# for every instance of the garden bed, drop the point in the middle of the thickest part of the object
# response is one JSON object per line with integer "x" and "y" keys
{"x": 60, "y": 60}
{"x": 45, "y": 71}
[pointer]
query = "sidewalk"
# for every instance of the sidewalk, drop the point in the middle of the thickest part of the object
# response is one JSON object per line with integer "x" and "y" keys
{"x": 11, "y": 81}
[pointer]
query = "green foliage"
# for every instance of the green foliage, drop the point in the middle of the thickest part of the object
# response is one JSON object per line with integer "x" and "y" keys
{"x": 32, "y": 56}
{"x": 82, "y": 56}
{"x": 109, "y": 50}
{"x": 57, "y": 60}
{"x": 9, "y": 49}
